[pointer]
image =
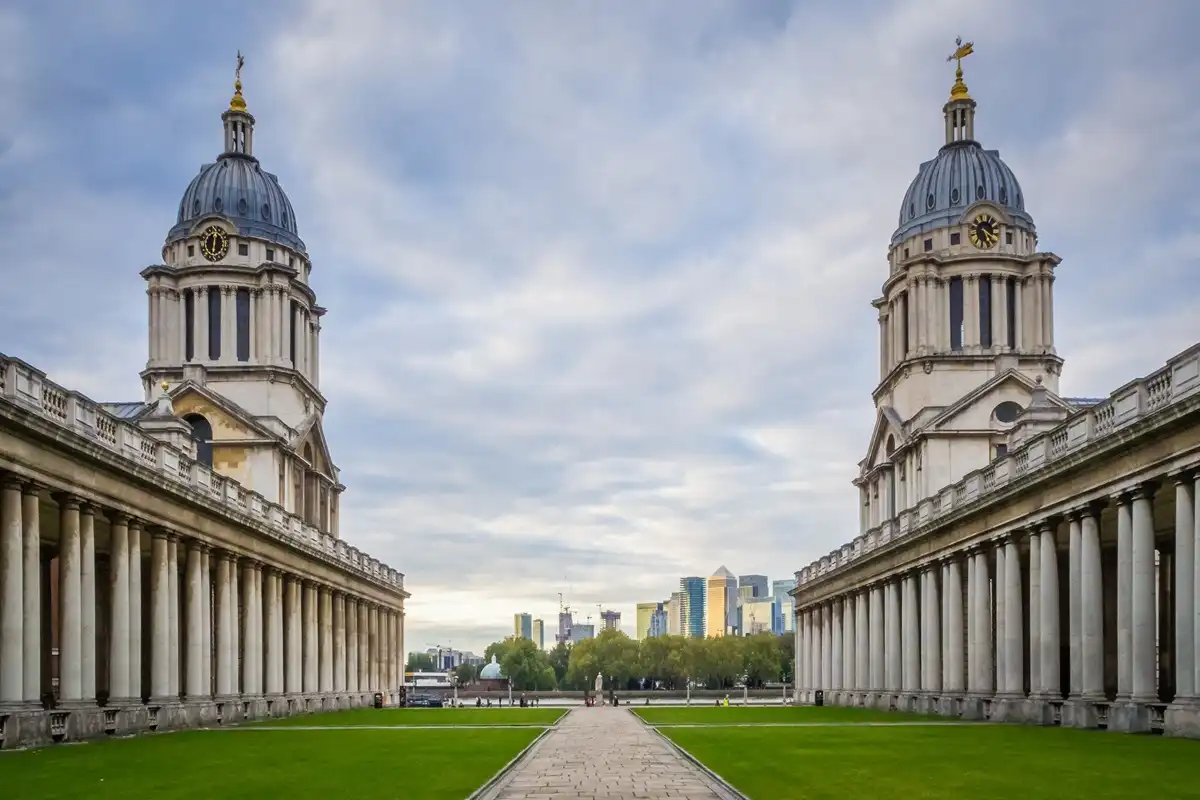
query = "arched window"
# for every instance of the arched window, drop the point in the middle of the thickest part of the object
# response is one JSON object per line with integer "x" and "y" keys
{"x": 1007, "y": 412}
{"x": 202, "y": 433}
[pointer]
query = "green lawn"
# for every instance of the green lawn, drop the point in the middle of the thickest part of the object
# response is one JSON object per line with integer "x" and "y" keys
{"x": 411, "y": 764}
{"x": 981, "y": 761}
{"x": 426, "y": 716}
{"x": 693, "y": 715}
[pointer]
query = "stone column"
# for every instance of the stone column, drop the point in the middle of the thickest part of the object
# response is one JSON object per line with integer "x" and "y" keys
{"x": 225, "y": 653}
{"x": 339, "y": 642}
{"x": 119, "y": 600}
{"x": 310, "y": 640}
{"x": 1035, "y": 613}
{"x": 1124, "y": 597}
{"x": 891, "y": 644}
{"x": 849, "y": 641}
{"x": 999, "y": 313}
{"x": 173, "y": 609}
{"x": 364, "y": 655}
{"x": 200, "y": 316}
{"x": 1051, "y": 662}
{"x": 972, "y": 628}
{"x": 803, "y": 677}
{"x": 373, "y": 647}
{"x": 1000, "y": 592}
{"x": 1074, "y": 604}
{"x": 953, "y": 592}
{"x": 206, "y": 635}
{"x": 352, "y": 645}
{"x": 135, "y": 610}
{"x": 31, "y": 591}
{"x": 272, "y": 683}
{"x": 1185, "y": 587}
{"x": 910, "y": 635}
{"x": 1014, "y": 621}
{"x": 933, "y": 636}
{"x": 1091, "y": 606}
{"x": 195, "y": 624}
{"x": 814, "y": 650}
{"x": 260, "y": 643}
{"x": 982, "y": 624}
{"x": 87, "y": 596}
{"x": 12, "y": 593}
{"x": 293, "y": 652}
{"x": 1145, "y": 633}
{"x": 70, "y": 613}
{"x": 160, "y": 618}
{"x": 827, "y": 646}
{"x": 325, "y": 610}
{"x": 862, "y": 647}
{"x": 878, "y": 662}
{"x": 836, "y": 645}
{"x": 250, "y": 664}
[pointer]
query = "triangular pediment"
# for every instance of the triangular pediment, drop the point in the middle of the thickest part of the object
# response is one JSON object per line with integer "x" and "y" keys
{"x": 976, "y": 410}
{"x": 311, "y": 445}
{"x": 887, "y": 424}
{"x": 221, "y": 412}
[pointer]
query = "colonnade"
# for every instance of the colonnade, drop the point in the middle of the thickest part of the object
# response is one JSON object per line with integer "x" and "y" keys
{"x": 1064, "y": 619}
{"x": 113, "y": 612}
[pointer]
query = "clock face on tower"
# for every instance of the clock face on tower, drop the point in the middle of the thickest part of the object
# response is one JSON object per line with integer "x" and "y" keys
{"x": 214, "y": 243}
{"x": 984, "y": 231}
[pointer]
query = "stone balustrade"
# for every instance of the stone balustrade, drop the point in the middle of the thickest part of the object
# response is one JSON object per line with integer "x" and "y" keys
{"x": 1098, "y": 426}
{"x": 28, "y": 388}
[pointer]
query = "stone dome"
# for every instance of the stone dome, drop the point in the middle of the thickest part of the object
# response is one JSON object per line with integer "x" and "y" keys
{"x": 492, "y": 671}
{"x": 236, "y": 187}
{"x": 963, "y": 173}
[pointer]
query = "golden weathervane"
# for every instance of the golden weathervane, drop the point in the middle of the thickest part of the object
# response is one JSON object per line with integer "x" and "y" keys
{"x": 238, "y": 103}
{"x": 959, "y": 90}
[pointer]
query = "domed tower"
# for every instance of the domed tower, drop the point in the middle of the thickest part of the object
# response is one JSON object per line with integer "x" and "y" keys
{"x": 235, "y": 328}
{"x": 966, "y": 320}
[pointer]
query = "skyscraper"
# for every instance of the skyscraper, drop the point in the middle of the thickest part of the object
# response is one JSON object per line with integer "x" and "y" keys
{"x": 645, "y": 613}
{"x": 565, "y": 624}
{"x": 691, "y": 606}
{"x": 757, "y": 582}
{"x": 721, "y": 603}
{"x": 674, "y": 609}
{"x": 784, "y": 603}
{"x": 610, "y": 620}
{"x": 658, "y": 622}
{"x": 523, "y": 626}
{"x": 539, "y": 634}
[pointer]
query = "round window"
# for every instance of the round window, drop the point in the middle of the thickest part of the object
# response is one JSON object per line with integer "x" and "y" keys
{"x": 1007, "y": 412}
{"x": 266, "y": 212}
{"x": 929, "y": 201}
{"x": 243, "y": 206}
{"x": 954, "y": 196}
{"x": 218, "y": 204}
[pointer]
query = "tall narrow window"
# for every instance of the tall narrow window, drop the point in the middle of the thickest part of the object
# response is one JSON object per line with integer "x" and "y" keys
{"x": 956, "y": 313}
{"x": 985, "y": 311}
{"x": 243, "y": 324}
{"x": 1010, "y": 297}
{"x": 189, "y": 325}
{"x": 202, "y": 433}
{"x": 292, "y": 334}
{"x": 904, "y": 324}
{"x": 214, "y": 323}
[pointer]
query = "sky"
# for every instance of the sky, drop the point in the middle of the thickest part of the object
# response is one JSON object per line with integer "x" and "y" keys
{"x": 598, "y": 274}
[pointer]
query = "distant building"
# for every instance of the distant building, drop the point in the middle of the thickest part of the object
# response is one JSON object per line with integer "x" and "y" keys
{"x": 721, "y": 603}
{"x": 759, "y": 616}
{"x": 565, "y": 623}
{"x": 539, "y": 634}
{"x": 784, "y": 608}
{"x": 658, "y": 622}
{"x": 523, "y": 626}
{"x": 674, "y": 609}
{"x": 757, "y": 583}
{"x": 579, "y": 632}
{"x": 691, "y": 607}
{"x": 641, "y": 625}
{"x": 610, "y": 620}
{"x": 446, "y": 659}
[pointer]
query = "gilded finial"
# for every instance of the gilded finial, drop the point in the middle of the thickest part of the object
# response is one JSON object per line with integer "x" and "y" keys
{"x": 238, "y": 103}
{"x": 165, "y": 385}
{"x": 959, "y": 90}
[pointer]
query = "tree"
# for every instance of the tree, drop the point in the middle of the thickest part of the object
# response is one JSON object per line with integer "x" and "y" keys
{"x": 466, "y": 673}
{"x": 560, "y": 659}
{"x": 787, "y": 657}
{"x": 420, "y": 662}
{"x": 761, "y": 658}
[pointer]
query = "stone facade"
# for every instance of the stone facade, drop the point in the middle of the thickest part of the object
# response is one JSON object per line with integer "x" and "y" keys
{"x": 1022, "y": 556}
{"x": 176, "y": 562}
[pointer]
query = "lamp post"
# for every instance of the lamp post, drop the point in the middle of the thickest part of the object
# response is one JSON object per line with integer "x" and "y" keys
{"x": 746, "y": 689}
{"x": 454, "y": 685}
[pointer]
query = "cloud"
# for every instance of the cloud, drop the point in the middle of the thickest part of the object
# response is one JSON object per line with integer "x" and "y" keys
{"x": 598, "y": 284}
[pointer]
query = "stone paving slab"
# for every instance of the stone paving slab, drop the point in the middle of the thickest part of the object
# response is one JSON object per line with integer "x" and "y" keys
{"x": 605, "y": 753}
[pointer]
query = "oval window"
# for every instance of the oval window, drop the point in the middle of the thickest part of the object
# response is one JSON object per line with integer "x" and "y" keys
{"x": 218, "y": 204}
{"x": 1007, "y": 412}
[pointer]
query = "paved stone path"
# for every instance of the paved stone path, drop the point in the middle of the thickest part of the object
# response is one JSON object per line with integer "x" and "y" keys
{"x": 607, "y": 753}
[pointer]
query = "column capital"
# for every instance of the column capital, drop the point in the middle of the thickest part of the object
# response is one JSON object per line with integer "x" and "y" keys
{"x": 11, "y": 480}
{"x": 118, "y": 517}
{"x": 32, "y": 487}
{"x": 1144, "y": 491}
{"x": 66, "y": 500}
{"x": 159, "y": 532}
{"x": 1184, "y": 475}
{"x": 1048, "y": 524}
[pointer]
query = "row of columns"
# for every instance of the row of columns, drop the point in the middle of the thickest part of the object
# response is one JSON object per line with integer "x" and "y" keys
{"x": 923, "y": 632}
{"x": 239, "y": 627}
{"x": 916, "y": 320}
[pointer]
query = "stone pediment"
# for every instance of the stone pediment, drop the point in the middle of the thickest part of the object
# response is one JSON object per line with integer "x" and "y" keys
{"x": 221, "y": 412}
{"x": 976, "y": 410}
{"x": 311, "y": 435}
{"x": 887, "y": 423}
